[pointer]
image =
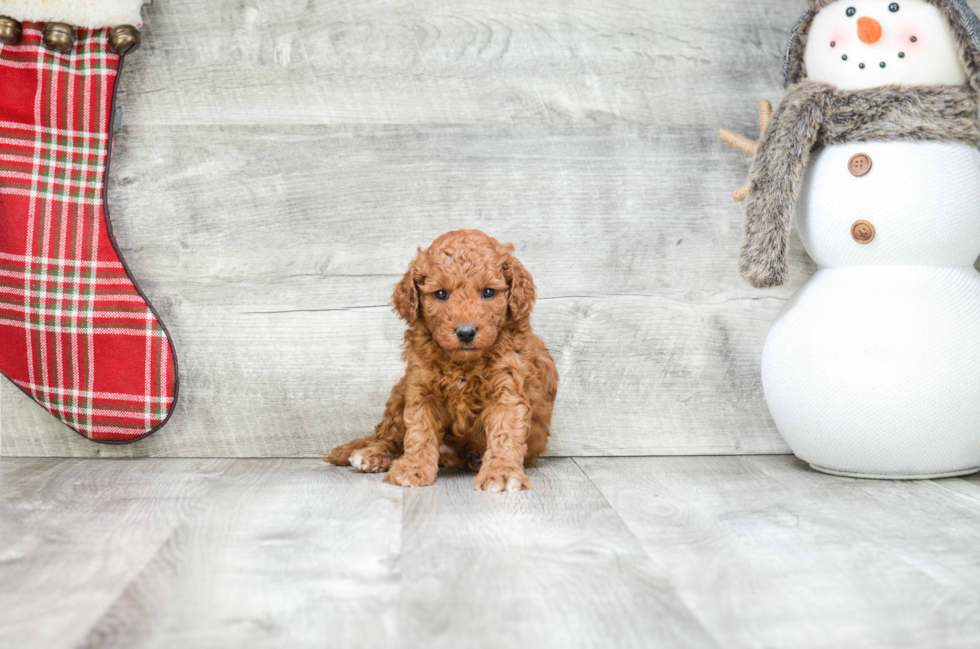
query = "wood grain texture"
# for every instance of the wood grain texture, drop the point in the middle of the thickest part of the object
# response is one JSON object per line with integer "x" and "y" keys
{"x": 753, "y": 552}
{"x": 771, "y": 554}
{"x": 287, "y": 552}
{"x": 276, "y": 294}
{"x": 229, "y": 62}
{"x": 284, "y": 553}
{"x": 550, "y": 567}
{"x": 280, "y": 162}
{"x": 73, "y": 533}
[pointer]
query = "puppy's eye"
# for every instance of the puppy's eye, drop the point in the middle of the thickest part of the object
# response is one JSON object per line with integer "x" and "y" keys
{"x": 489, "y": 293}
{"x": 893, "y": 7}
{"x": 441, "y": 295}
{"x": 851, "y": 11}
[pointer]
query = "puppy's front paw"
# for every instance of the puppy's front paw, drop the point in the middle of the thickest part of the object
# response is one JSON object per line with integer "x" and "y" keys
{"x": 341, "y": 455}
{"x": 372, "y": 459}
{"x": 411, "y": 473}
{"x": 500, "y": 478}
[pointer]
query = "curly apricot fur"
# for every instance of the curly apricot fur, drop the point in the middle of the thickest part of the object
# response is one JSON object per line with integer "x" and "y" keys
{"x": 489, "y": 399}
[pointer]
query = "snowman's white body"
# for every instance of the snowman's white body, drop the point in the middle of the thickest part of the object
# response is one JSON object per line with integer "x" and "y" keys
{"x": 873, "y": 367}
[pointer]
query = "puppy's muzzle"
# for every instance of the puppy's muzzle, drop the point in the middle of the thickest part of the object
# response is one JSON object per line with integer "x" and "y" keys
{"x": 466, "y": 333}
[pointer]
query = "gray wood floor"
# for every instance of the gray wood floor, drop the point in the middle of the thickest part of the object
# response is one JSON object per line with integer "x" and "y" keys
{"x": 609, "y": 552}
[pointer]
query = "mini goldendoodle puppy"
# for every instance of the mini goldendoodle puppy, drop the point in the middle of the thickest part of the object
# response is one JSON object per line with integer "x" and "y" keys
{"x": 480, "y": 384}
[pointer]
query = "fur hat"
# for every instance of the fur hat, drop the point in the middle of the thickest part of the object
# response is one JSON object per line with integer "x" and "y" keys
{"x": 962, "y": 21}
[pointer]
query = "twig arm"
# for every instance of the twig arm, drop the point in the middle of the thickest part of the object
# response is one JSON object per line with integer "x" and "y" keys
{"x": 745, "y": 145}
{"x": 742, "y": 192}
{"x": 765, "y": 114}
{"x": 740, "y": 142}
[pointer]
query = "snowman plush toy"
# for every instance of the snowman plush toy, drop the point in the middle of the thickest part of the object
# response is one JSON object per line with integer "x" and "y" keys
{"x": 872, "y": 369}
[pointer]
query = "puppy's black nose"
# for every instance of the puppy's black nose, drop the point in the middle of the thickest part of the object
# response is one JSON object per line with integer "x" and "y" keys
{"x": 466, "y": 333}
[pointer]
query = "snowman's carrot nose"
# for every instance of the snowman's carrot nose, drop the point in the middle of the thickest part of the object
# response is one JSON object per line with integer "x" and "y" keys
{"x": 869, "y": 30}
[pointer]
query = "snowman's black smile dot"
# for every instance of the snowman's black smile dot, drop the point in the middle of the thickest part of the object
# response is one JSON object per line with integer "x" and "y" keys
{"x": 833, "y": 43}
{"x": 861, "y": 65}
{"x": 901, "y": 55}
{"x": 882, "y": 64}
{"x": 914, "y": 39}
{"x": 844, "y": 57}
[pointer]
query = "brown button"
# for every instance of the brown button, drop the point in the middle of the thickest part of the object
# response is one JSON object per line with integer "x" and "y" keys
{"x": 859, "y": 164}
{"x": 863, "y": 232}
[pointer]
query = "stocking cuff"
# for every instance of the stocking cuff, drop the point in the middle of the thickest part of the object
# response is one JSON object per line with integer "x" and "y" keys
{"x": 78, "y": 13}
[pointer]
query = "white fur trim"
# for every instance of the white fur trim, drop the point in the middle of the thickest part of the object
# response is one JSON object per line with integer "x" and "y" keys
{"x": 79, "y": 13}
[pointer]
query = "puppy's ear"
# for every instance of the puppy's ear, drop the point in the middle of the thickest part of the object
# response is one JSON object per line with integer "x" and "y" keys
{"x": 522, "y": 293}
{"x": 406, "y": 298}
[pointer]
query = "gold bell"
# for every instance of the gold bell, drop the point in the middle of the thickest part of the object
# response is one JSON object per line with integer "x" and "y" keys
{"x": 59, "y": 37}
{"x": 10, "y": 31}
{"x": 124, "y": 39}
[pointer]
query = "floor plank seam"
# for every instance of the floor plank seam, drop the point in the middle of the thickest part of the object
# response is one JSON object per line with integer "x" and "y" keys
{"x": 974, "y": 499}
{"x": 124, "y": 586}
{"x": 692, "y": 610}
{"x": 611, "y": 507}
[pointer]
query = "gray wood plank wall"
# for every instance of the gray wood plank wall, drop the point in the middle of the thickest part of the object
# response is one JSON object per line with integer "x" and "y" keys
{"x": 281, "y": 160}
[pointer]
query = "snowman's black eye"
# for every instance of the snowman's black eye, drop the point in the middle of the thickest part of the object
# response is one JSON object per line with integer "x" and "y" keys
{"x": 893, "y": 7}
{"x": 851, "y": 11}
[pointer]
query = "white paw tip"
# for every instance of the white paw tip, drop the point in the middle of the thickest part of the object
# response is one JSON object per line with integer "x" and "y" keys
{"x": 495, "y": 487}
{"x": 514, "y": 484}
{"x": 357, "y": 461}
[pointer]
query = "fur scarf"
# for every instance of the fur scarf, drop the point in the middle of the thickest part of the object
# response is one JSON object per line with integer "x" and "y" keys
{"x": 814, "y": 114}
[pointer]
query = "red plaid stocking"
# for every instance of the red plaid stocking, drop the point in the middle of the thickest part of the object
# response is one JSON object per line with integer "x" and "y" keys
{"x": 76, "y": 334}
